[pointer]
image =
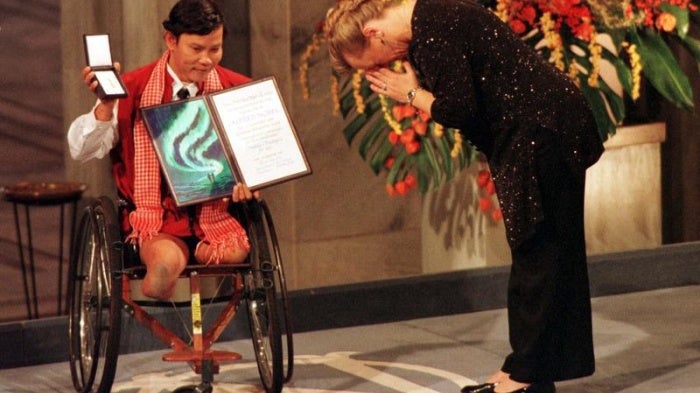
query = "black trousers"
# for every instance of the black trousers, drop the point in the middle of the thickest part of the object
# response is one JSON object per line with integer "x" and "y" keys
{"x": 549, "y": 309}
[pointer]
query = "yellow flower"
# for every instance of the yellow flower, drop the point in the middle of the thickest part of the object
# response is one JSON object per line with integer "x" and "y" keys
{"x": 596, "y": 53}
{"x": 438, "y": 130}
{"x": 356, "y": 85}
{"x": 457, "y": 148}
{"x": 553, "y": 40}
{"x": 574, "y": 72}
{"x": 636, "y": 65}
{"x": 502, "y": 7}
{"x": 388, "y": 116}
{"x": 312, "y": 47}
{"x": 335, "y": 95}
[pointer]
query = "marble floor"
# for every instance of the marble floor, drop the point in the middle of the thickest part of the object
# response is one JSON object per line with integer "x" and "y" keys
{"x": 646, "y": 342}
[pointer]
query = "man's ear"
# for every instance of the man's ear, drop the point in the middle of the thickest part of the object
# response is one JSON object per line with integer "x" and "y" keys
{"x": 170, "y": 40}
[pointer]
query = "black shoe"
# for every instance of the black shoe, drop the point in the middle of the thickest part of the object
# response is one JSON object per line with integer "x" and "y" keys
{"x": 483, "y": 388}
{"x": 538, "y": 387}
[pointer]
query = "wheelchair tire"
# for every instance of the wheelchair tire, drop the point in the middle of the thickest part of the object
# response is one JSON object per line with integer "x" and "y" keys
{"x": 94, "y": 295}
{"x": 281, "y": 289}
{"x": 262, "y": 305}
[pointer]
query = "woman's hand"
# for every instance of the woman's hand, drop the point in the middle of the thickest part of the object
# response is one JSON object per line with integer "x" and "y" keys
{"x": 395, "y": 85}
{"x": 242, "y": 193}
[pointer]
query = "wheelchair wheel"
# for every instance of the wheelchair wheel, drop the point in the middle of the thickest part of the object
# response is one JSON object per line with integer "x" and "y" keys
{"x": 94, "y": 294}
{"x": 281, "y": 289}
{"x": 262, "y": 304}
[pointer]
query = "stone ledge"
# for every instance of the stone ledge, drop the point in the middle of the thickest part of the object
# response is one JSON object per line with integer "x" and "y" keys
{"x": 637, "y": 135}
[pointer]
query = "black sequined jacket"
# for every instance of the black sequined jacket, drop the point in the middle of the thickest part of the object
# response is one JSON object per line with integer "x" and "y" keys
{"x": 501, "y": 95}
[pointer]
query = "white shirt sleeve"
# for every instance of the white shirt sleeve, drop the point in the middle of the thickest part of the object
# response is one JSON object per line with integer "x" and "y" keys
{"x": 90, "y": 138}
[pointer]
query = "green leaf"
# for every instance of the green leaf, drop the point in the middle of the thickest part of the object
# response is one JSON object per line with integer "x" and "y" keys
{"x": 662, "y": 69}
{"x": 693, "y": 47}
{"x": 356, "y": 125}
{"x": 398, "y": 163}
{"x": 624, "y": 74}
{"x": 445, "y": 150}
{"x": 376, "y": 132}
{"x": 618, "y": 36}
{"x": 423, "y": 176}
{"x": 600, "y": 112}
{"x": 432, "y": 158}
{"x": 380, "y": 156}
{"x": 615, "y": 102}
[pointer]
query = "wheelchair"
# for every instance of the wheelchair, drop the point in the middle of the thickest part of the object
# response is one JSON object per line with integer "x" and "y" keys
{"x": 102, "y": 278}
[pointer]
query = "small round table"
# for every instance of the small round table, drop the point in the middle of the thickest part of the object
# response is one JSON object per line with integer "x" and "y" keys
{"x": 41, "y": 194}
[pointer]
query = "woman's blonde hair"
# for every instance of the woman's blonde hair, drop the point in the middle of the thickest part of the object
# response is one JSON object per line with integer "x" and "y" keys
{"x": 343, "y": 28}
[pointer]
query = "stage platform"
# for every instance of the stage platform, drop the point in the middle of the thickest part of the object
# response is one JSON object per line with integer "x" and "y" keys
{"x": 646, "y": 342}
{"x": 417, "y": 334}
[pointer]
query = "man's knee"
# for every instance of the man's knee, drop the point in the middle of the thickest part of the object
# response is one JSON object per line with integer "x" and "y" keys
{"x": 164, "y": 249}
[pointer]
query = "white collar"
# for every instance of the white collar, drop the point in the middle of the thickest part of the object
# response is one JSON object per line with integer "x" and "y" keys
{"x": 177, "y": 84}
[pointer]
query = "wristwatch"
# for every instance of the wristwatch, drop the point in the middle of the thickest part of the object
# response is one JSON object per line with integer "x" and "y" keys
{"x": 411, "y": 95}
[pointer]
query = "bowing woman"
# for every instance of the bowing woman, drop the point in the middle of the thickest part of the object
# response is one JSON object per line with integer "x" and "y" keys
{"x": 469, "y": 71}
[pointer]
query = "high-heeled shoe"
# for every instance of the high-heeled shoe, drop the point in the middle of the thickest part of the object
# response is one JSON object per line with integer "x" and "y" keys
{"x": 538, "y": 387}
{"x": 483, "y": 388}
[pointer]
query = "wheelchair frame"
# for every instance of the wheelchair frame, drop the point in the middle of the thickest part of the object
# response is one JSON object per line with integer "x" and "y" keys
{"x": 99, "y": 290}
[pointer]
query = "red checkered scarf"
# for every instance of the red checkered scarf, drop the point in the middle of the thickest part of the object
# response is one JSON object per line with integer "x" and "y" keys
{"x": 221, "y": 230}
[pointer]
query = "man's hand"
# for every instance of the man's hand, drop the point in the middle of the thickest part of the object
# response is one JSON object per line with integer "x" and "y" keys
{"x": 242, "y": 193}
{"x": 104, "y": 110}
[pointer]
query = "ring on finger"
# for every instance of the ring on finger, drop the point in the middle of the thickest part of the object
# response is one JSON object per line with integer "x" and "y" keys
{"x": 384, "y": 87}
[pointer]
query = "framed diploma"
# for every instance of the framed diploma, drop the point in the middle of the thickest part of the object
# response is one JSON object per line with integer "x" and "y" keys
{"x": 99, "y": 59}
{"x": 207, "y": 144}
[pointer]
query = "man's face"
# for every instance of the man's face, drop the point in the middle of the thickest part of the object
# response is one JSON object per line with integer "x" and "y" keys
{"x": 193, "y": 56}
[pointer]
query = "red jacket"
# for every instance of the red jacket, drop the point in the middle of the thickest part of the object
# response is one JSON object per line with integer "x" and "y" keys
{"x": 176, "y": 221}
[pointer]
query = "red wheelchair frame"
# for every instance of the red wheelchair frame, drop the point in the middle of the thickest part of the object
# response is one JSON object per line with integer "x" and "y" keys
{"x": 99, "y": 290}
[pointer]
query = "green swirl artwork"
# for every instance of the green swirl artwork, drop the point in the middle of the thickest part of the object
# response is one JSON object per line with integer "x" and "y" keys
{"x": 189, "y": 150}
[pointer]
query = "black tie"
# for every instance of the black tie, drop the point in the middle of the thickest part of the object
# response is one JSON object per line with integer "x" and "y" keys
{"x": 183, "y": 93}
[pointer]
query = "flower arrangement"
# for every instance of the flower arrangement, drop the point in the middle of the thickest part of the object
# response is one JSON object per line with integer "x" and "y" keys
{"x": 628, "y": 36}
{"x": 580, "y": 37}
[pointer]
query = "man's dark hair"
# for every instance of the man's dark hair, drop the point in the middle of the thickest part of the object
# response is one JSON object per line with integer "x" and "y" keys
{"x": 199, "y": 17}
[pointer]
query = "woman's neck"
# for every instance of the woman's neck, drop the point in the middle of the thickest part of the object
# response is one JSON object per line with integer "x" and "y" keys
{"x": 402, "y": 20}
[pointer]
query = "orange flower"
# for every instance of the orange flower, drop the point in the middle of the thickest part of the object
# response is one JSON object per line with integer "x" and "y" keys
{"x": 528, "y": 14}
{"x": 517, "y": 26}
{"x": 408, "y": 111}
{"x": 412, "y": 147}
{"x": 666, "y": 22}
{"x": 389, "y": 162}
{"x": 420, "y": 126}
{"x": 483, "y": 178}
{"x": 485, "y": 204}
{"x": 401, "y": 188}
{"x": 424, "y": 116}
{"x": 410, "y": 180}
{"x": 394, "y": 138}
{"x": 497, "y": 215}
{"x": 408, "y": 136}
{"x": 390, "y": 190}
{"x": 397, "y": 112}
{"x": 490, "y": 187}
{"x": 401, "y": 112}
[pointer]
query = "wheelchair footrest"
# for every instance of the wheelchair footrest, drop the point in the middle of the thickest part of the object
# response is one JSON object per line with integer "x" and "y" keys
{"x": 192, "y": 356}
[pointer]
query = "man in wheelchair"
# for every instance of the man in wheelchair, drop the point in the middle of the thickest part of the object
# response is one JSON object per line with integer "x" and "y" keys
{"x": 168, "y": 236}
